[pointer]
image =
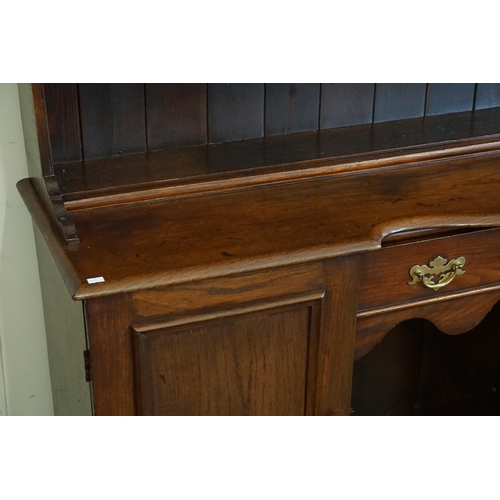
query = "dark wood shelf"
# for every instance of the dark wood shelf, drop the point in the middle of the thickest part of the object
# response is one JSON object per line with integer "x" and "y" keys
{"x": 255, "y": 229}
{"x": 237, "y": 164}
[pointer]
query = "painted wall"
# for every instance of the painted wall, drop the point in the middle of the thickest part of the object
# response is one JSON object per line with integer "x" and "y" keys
{"x": 24, "y": 372}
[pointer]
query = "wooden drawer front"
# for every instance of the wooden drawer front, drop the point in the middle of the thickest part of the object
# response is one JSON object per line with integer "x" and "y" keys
{"x": 385, "y": 273}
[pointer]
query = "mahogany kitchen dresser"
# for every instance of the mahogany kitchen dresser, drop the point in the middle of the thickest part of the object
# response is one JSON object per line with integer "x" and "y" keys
{"x": 268, "y": 249}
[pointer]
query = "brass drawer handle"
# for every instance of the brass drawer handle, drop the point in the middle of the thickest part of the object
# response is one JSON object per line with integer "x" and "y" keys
{"x": 439, "y": 266}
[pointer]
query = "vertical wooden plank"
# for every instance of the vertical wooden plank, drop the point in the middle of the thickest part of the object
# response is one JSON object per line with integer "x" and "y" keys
{"x": 112, "y": 119}
{"x": 445, "y": 98}
{"x": 487, "y": 95}
{"x": 345, "y": 104}
{"x": 110, "y": 343}
{"x": 337, "y": 336}
{"x": 399, "y": 101}
{"x": 235, "y": 111}
{"x": 176, "y": 115}
{"x": 312, "y": 358}
{"x": 291, "y": 107}
{"x": 64, "y": 121}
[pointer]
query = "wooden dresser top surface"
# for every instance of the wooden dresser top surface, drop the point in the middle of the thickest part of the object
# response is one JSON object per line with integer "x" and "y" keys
{"x": 157, "y": 243}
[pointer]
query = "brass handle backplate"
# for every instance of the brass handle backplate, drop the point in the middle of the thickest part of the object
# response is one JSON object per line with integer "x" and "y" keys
{"x": 440, "y": 267}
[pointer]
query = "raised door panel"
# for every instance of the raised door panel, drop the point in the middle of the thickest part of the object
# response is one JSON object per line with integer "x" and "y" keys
{"x": 252, "y": 364}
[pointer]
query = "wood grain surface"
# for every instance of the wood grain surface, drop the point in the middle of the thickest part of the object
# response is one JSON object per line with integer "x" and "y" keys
{"x": 235, "y": 111}
{"x": 214, "y": 295}
{"x": 172, "y": 241}
{"x": 108, "y": 322}
{"x": 398, "y": 101}
{"x": 487, "y": 95}
{"x": 337, "y": 337}
{"x": 112, "y": 119}
{"x": 291, "y": 108}
{"x": 449, "y": 98}
{"x": 346, "y": 104}
{"x": 452, "y": 315}
{"x": 63, "y": 116}
{"x": 176, "y": 114}
{"x": 249, "y": 365}
{"x": 275, "y": 159}
{"x": 385, "y": 274}
{"x": 241, "y": 272}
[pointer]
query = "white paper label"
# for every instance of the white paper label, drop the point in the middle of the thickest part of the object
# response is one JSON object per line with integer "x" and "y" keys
{"x": 91, "y": 281}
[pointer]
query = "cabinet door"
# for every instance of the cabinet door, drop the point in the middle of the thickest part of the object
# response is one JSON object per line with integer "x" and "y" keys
{"x": 275, "y": 342}
{"x": 251, "y": 364}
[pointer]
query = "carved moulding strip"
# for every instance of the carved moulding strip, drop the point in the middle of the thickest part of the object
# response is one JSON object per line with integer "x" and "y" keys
{"x": 59, "y": 213}
{"x": 452, "y": 314}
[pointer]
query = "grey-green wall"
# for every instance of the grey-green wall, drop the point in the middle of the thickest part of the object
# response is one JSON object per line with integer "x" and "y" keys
{"x": 24, "y": 372}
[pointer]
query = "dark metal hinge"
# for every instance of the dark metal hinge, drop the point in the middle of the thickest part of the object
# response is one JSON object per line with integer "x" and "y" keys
{"x": 86, "y": 360}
